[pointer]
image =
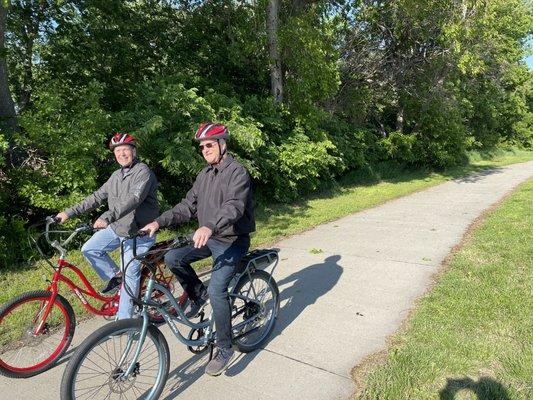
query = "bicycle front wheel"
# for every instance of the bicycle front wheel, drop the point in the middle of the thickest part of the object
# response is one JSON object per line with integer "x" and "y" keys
{"x": 32, "y": 340}
{"x": 97, "y": 369}
{"x": 255, "y": 299}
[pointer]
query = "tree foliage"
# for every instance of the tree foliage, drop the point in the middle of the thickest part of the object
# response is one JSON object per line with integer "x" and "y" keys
{"x": 416, "y": 82}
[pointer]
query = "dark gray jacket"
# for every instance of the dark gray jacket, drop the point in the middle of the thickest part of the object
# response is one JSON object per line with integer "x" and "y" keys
{"x": 220, "y": 198}
{"x": 131, "y": 195}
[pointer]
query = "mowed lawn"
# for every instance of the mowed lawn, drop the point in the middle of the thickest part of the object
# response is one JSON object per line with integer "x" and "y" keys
{"x": 471, "y": 336}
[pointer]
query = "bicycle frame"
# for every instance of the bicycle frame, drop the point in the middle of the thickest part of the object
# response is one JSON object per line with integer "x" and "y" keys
{"x": 78, "y": 291}
{"x": 271, "y": 258}
{"x": 81, "y": 292}
{"x": 109, "y": 306}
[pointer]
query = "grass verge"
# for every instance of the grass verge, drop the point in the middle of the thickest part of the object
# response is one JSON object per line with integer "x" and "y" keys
{"x": 355, "y": 192}
{"x": 471, "y": 336}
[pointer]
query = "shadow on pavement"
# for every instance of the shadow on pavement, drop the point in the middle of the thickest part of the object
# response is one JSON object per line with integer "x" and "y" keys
{"x": 66, "y": 357}
{"x": 298, "y": 291}
{"x": 184, "y": 375}
{"x": 477, "y": 176}
{"x": 485, "y": 389}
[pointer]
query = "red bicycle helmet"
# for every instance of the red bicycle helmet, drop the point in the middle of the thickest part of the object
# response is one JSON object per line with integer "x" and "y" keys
{"x": 119, "y": 139}
{"x": 210, "y": 130}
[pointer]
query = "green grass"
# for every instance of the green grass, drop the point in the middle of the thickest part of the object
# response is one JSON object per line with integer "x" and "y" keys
{"x": 355, "y": 192}
{"x": 471, "y": 336}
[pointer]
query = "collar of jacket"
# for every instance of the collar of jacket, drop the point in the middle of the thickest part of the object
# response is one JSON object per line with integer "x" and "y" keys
{"x": 222, "y": 164}
{"x": 127, "y": 170}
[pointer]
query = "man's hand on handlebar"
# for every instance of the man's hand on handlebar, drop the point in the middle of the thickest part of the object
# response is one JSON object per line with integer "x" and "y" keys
{"x": 61, "y": 217}
{"x": 150, "y": 228}
{"x": 100, "y": 224}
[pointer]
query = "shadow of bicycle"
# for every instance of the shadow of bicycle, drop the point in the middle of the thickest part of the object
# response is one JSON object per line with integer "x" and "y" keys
{"x": 485, "y": 389}
{"x": 298, "y": 291}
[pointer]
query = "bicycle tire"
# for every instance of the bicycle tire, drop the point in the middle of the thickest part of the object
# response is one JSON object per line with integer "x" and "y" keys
{"x": 106, "y": 372}
{"x": 243, "y": 339}
{"x": 23, "y": 354}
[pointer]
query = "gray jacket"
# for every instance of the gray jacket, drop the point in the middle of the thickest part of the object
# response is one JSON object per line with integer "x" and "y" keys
{"x": 131, "y": 195}
{"x": 221, "y": 199}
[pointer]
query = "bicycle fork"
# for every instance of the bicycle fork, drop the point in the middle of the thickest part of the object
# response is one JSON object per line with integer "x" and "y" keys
{"x": 44, "y": 310}
{"x": 133, "y": 367}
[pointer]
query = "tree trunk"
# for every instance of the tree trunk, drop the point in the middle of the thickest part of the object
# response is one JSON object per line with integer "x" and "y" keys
{"x": 32, "y": 15}
{"x": 399, "y": 120}
{"x": 27, "y": 65}
{"x": 276, "y": 77}
{"x": 7, "y": 107}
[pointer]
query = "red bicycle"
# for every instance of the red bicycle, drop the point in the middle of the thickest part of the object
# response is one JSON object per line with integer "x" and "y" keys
{"x": 37, "y": 327}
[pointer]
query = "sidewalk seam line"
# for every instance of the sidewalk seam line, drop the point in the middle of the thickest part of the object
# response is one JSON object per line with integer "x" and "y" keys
{"x": 308, "y": 364}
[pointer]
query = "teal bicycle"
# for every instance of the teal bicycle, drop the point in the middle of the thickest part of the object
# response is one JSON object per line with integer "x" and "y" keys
{"x": 130, "y": 358}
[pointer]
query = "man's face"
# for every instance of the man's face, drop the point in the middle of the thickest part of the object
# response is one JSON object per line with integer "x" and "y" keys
{"x": 124, "y": 154}
{"x": 210, "y": 150}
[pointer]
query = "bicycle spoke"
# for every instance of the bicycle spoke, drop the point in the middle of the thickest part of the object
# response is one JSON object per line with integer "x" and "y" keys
{"x": 102, "y": 370}
{"x": 254, "y": 308}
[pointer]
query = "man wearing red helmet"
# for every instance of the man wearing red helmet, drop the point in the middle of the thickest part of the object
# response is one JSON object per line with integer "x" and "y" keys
{"x": 221, "y": 200}
{"x": 131, "y": 196}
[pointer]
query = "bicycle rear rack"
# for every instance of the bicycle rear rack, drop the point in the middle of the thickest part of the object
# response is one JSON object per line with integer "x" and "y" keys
{"x": 259, "y": 259}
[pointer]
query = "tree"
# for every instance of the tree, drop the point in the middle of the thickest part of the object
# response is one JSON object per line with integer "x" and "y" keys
{"x": 30, "y": 23}
{"x": 276, "y": 78}
{"x": 7, "y": 107}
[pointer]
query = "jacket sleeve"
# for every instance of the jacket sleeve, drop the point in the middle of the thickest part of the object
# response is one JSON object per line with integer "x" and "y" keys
{"x": 91, "y": 202}
{"x": 139, "y": 189}
{"x": 182, "y": 212}
{"x": 232, "y": 210}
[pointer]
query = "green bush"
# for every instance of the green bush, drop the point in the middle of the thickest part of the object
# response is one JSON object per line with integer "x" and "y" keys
{"x": 284, "y": 156}
{"x": 438, "y": 139}
{"x": 400, "y": 147}
{"x": 65, "y": 134}
{"x": 14, "y": 246}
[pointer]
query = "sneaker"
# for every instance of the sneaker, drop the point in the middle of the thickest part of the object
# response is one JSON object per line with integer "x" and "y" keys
{"x": 194, "y": 307}
{"x": 112, "y": 285}
{"x": 220, "y": 362}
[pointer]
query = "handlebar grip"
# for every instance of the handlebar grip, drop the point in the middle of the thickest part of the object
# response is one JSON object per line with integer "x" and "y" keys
{"x": 52, "y": 219}
{"x": 85, "y": 228}
{"x": 136, "y": 234}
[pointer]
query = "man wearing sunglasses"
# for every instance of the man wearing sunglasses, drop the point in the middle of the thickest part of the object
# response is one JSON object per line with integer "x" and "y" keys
{"x": 221, "y": 200}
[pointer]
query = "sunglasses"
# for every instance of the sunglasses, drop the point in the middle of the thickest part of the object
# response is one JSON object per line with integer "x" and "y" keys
{"x": 207, "y": 146}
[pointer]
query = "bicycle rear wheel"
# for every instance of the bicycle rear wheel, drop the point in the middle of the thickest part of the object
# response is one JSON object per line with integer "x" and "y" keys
{"x": 30, "y": 344}
{"x": 255, "y": 297}
{"x": 96, "y": 369}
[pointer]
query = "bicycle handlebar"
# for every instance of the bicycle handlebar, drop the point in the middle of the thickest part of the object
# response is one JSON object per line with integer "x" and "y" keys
{"x": 60, "y": 245}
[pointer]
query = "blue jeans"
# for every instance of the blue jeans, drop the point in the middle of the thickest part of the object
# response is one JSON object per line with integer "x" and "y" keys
{"x": 95, "y": 251}
{"x": 226, "y": 256}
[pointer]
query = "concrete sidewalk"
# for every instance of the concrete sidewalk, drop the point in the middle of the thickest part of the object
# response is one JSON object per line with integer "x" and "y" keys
{"x": 339, "y": 302}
